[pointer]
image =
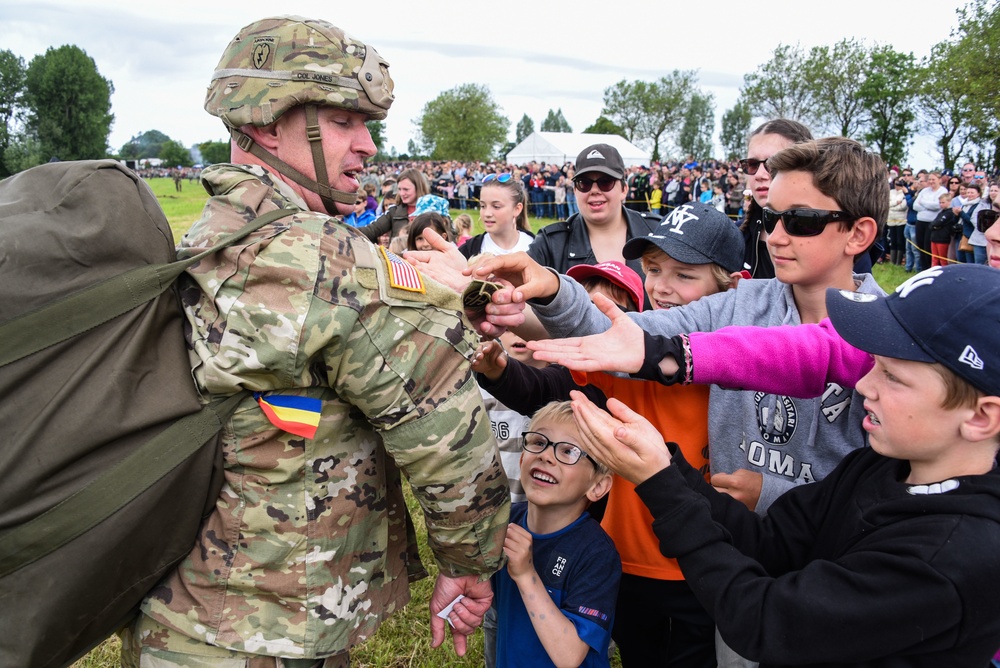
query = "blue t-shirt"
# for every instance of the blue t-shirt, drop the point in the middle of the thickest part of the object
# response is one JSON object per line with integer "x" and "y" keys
{"x": 580, "y": 569}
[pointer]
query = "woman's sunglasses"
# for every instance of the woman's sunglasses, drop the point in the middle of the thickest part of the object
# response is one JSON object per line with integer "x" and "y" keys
{"x": 751, "y": 165}
{"x": 986, "y": 218}
{"x": 499, "y": 178}
{"x": 605, "y": 183}
{"x": 801, "y": 222}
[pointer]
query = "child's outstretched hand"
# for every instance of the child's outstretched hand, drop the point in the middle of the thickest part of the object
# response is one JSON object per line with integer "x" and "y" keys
{"x": 517, "y": 547}
{"x": 490, "y": 359}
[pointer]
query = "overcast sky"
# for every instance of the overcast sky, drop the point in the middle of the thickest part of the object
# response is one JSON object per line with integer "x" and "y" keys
{"x": 532, "y": 56}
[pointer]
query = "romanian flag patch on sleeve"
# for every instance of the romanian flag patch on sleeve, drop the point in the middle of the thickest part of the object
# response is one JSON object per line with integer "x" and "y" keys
{"x": 294, "y": 414}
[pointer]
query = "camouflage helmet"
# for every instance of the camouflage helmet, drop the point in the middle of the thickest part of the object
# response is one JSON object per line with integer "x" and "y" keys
{"x": 278, "y": 63}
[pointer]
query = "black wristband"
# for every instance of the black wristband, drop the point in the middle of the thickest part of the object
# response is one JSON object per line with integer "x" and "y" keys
{"x": 656, "y": 348}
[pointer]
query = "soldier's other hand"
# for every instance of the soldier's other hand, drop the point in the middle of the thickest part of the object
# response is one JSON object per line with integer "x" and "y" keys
{"x": 466, "y": 615}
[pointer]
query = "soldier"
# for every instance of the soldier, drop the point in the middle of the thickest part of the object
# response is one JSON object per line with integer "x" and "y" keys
{"x": 360, "y": 373}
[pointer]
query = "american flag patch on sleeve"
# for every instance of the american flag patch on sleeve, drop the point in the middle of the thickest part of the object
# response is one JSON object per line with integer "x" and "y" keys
{"x": 402, "y": 274}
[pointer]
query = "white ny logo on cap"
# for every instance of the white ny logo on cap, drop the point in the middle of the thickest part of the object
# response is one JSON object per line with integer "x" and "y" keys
{"x": 678, "y": 217}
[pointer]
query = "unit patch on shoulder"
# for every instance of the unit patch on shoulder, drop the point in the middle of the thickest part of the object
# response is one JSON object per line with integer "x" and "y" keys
{"x": 402, "y": 274}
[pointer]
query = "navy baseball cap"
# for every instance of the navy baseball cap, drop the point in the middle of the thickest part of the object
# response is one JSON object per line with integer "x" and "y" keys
{"x": 694, "y": 233}
{"x": 949, "y": 315}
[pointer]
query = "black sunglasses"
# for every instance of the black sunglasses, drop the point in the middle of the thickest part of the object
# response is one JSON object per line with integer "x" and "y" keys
{"x": 605, "y": 183}
{"x": 801, "y": 222}
{"x": 954, "y": 183}
{"x": 985, "y": 219}
{"x": 751, "y": 165}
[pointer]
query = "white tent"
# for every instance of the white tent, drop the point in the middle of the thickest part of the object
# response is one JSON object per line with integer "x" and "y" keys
{"x": 561, "y": 147}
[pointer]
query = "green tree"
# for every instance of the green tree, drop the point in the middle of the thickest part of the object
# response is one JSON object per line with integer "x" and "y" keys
{"x": 669, "y": 105}
{"x": 977, "y": 39}
{"x": 647, "y": 110}
{"x": 146, "y": 144}
{"x": 945, "y": 101}
{"x": 624, "y": 104}
{"x": 23, "y": 152}
{"x": 887, "y": 94}
{"x": 69, "y": 104}
{"x": 464, "y": 123}
{"x": 214, "y": 152}
{"x": 377, "y": 130}
{"x": 604, "y": 126}
{"x": 695, "y": 136}
{"x": 173, "y": 154}
{"x": 735, "y": 131}
{"x": 12, "y": 73}
{"x": 555, "y": 122}
{"x": 525, "y": 127}
{"x": 778, "y": 88}
{"x": 835, "y": 77}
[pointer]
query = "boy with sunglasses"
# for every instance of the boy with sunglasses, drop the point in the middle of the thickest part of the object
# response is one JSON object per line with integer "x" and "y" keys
{"x": 599, "y": 231}
{"x": 555, "y": 598}
{"x": 826, "y": 203}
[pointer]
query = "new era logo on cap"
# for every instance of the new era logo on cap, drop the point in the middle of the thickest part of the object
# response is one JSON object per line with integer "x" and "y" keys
{"x": 970, "y": 357}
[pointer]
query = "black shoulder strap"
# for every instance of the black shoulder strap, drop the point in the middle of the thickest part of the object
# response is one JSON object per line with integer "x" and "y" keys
{"x": 143, "y": 467}
{"x": 85, "y": 309}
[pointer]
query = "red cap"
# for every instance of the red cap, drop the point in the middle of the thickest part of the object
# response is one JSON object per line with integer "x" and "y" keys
{"x": 616, "y": 272}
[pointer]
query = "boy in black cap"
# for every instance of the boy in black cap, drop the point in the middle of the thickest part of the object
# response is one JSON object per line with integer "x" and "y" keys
{"x": 894, "y": 558}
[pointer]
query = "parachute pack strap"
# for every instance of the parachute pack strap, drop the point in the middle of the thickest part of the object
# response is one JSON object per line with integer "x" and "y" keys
{"x": 113, "y": 489}
{"x": 85, "y": 309}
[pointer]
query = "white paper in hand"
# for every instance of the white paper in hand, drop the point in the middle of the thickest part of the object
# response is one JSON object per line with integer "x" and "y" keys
{"x": 447, "y": 609}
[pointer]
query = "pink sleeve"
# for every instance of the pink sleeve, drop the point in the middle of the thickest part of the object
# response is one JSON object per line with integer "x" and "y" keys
{"x": 797, "y": 360}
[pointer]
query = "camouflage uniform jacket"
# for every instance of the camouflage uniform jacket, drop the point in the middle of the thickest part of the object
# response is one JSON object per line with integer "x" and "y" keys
{"x": 306, "y": 550}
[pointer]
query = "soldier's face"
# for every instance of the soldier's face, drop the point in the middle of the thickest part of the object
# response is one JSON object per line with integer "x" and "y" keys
{"x": 346, "y": 144}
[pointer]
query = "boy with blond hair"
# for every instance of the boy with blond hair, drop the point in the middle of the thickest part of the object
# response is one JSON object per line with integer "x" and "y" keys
{"x": 555, "y": 598}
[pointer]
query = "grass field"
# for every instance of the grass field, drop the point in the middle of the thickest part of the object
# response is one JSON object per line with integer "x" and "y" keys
{"x": 403, "y": 641}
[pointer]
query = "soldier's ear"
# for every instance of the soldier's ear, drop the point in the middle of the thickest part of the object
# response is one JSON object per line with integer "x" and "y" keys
{"x": 266, "y": 136}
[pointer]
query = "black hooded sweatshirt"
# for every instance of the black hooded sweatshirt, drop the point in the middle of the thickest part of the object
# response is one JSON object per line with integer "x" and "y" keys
{"x": 859, "y": 569}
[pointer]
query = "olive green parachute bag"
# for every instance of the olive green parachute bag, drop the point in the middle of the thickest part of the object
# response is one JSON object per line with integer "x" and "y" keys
{"x": 108, "y": 461}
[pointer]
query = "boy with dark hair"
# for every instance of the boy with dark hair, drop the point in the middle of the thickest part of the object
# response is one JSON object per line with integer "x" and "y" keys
{"x": 894, "y": 558}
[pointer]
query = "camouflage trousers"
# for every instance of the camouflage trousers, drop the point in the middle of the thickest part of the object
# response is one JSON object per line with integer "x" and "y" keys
{"x": 147, "y": 644}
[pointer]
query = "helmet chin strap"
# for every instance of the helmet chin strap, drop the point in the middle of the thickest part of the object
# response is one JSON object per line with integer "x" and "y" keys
{"x": 320, "y": 186}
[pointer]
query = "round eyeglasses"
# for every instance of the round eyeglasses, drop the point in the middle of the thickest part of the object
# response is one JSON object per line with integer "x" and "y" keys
{"x": 567, "y": 453}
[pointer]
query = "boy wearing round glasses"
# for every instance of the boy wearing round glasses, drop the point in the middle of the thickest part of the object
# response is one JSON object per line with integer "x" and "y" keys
{"x": 599, "y": 231}
{"x": 555, "y": 599}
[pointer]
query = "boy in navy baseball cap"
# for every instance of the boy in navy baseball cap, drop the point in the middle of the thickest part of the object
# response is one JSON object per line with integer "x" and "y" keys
{"x": 893, "y": 558}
